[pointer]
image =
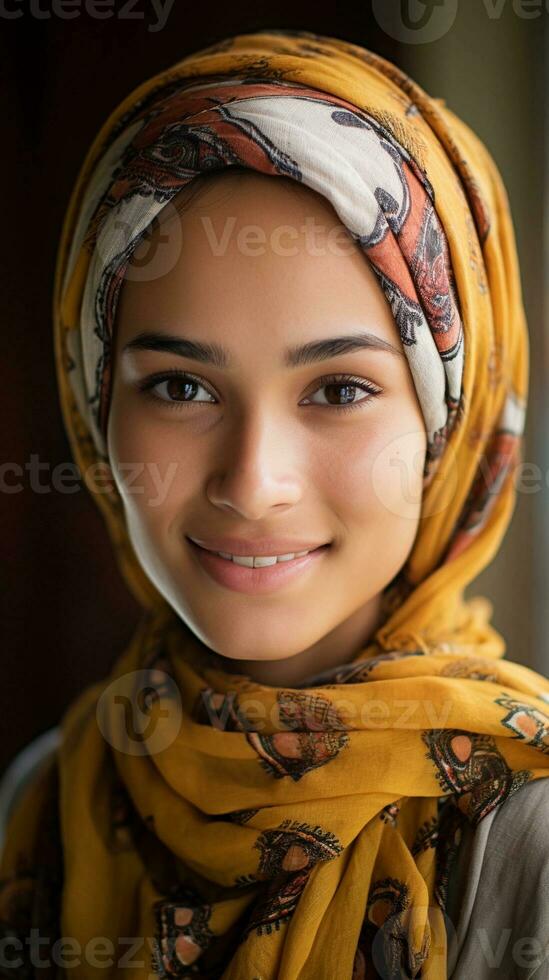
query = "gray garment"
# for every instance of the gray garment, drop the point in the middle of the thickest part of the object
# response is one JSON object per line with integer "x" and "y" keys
{"x": 498, "y": 893}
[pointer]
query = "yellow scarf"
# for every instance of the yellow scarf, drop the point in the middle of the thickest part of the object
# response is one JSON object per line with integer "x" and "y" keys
{"x": 211, "y": 826}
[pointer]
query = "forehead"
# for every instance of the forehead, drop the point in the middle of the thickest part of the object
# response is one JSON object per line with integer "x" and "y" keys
{"x": 244, "y": 187}
{"x": 251, "y": 257}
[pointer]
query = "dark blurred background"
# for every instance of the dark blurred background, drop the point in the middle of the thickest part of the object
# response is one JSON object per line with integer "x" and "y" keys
{"x": 66, "y": 613}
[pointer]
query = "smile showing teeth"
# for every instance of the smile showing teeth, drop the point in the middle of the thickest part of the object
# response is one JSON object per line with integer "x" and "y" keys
{"x": 257, "y": 574}
{"x": 259, "y": 561}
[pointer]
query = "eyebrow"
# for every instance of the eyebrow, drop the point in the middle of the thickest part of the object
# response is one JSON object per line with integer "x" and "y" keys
{"x": 315, "y": 350}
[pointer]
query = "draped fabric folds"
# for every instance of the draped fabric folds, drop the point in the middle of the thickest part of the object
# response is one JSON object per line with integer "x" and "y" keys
{"x": 301, "y": 833}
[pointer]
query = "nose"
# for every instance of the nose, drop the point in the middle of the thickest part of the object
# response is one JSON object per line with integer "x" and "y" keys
{"x": 256, "y": 474}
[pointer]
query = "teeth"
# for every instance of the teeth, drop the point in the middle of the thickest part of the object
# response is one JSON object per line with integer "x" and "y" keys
{"x": 260, "y": 561}
{"x": 247, "y": 560}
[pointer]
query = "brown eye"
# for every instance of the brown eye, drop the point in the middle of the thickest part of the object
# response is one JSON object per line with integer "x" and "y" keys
{"x": 340, "y": 394}
{"x": 176, "y": 388}
{"x": 343, "y": 392}
{"x": 181, "y": 389}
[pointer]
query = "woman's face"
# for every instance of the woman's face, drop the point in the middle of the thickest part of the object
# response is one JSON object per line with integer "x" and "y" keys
{"x": 267, "y": 427}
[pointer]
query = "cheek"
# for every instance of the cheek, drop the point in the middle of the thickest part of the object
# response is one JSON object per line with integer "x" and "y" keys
{"x": 397, "y": 474}
{"x": 156, "y": 470}
{"x": 372, "y": 477}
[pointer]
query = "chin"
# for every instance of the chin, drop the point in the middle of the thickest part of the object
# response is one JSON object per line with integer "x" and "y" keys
{"x": 243, "y": 628}
{"x": 251, "y": 653}
{"x": 251, "y": 649}
{"x": 243, "y": 641}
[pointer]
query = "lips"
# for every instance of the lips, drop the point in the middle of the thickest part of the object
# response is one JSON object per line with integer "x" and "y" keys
{"x": 254, "y": 580}
{"x": 260, "y": 547}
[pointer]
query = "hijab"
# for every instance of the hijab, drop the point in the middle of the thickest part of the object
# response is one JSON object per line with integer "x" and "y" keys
{"x": 317, "y": 844}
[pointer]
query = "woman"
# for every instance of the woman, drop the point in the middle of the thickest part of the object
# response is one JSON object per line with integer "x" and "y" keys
{"x": 303, "y": 458}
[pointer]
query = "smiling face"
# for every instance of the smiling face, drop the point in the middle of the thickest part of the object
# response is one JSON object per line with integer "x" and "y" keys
{"x": 258, "y": 430}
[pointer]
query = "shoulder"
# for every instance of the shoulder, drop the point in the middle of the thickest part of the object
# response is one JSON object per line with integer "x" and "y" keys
{"x": 508, "y": 929}
{"x": 516, "y": 859}
{"x": 522, "y": 822}
{"x": 21, "y": 772}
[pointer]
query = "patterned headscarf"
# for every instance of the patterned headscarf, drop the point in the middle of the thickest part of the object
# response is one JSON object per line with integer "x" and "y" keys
{"x": 320, "y": 844}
